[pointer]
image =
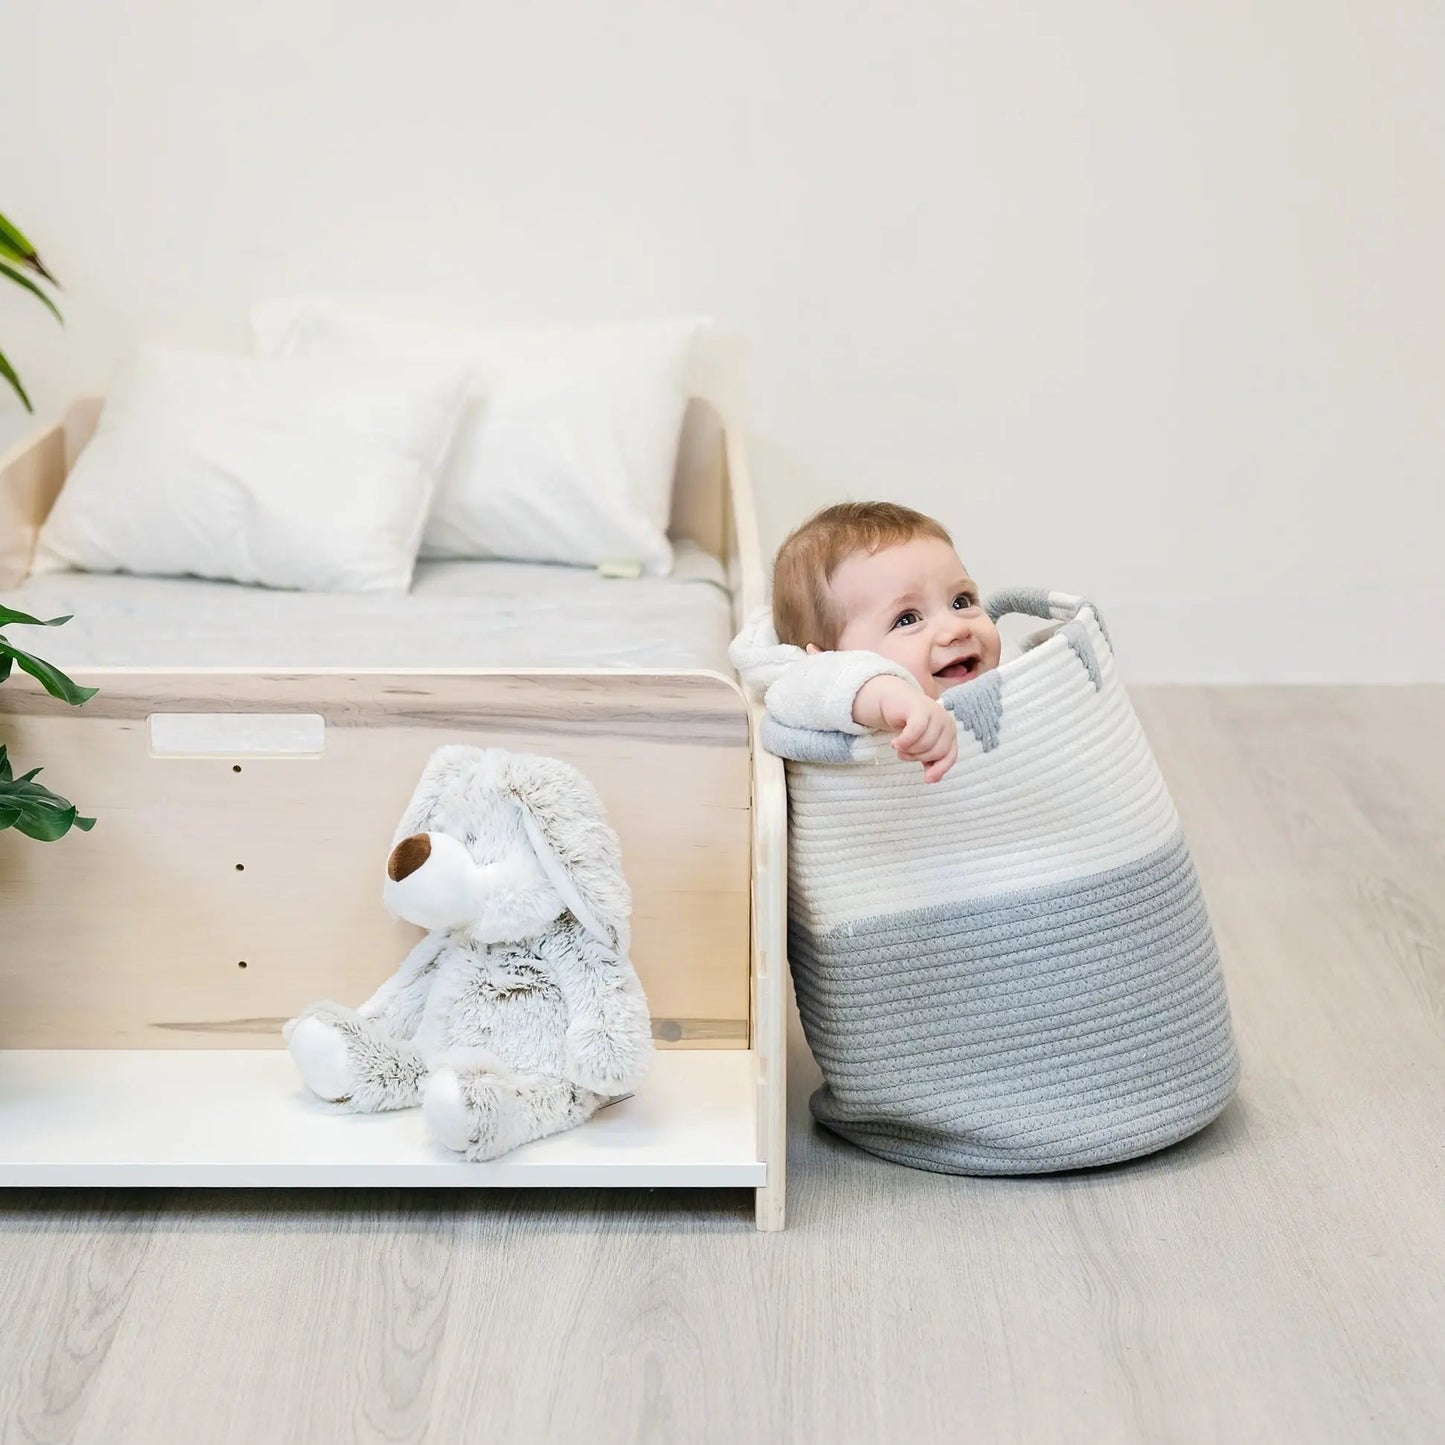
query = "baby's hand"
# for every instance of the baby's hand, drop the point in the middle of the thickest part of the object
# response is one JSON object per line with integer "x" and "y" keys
{"x": 929, "y": 735}
{"x": 927, "y": 732}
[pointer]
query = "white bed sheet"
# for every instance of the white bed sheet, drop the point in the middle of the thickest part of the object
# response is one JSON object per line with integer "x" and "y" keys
{"x": 511, "y": 615}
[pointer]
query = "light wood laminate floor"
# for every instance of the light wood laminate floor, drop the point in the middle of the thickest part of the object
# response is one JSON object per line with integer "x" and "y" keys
{"x": 1278, "y": 1278}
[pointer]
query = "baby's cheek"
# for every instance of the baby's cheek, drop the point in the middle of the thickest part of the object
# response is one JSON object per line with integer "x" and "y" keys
{"x": 903, "y": 655}
{"x": 922, "y": 674}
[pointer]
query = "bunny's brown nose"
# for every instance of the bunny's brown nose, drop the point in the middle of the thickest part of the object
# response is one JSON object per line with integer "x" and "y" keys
{"x": 408, "y": 856}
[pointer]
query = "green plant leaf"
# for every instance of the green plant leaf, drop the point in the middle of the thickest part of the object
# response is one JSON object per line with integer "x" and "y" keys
{"x": 4, "y": 764}
{"x": 11, "y": 235}
{"x": 21, "y": 279}
{"x": 9, "y": 615}
{"x": 18, "y": 248}
{"x": 32, "y": 809}
{"x": 8, "y": 372}
{"x": 6, "y": 663}
{"x": 55, "y": 682}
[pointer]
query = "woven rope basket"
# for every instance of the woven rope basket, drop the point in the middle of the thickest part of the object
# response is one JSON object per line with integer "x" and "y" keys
{"x": 1011, "y": 971}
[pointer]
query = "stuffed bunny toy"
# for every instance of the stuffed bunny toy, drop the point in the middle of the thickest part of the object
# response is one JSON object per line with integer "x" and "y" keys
{"x": 519, "y": 1014}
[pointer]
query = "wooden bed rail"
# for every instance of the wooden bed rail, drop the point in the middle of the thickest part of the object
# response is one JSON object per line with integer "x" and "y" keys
{"x": 769, "y": 855}
{"x": 31, "y": 475}
{"x": 208, "y": 969}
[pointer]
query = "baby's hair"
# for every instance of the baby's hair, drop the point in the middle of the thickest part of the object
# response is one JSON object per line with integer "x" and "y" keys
{"x": 807, "y": 560}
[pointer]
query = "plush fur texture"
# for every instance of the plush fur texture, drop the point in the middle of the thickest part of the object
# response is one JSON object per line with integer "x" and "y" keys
{"x": 519, "y": 1014}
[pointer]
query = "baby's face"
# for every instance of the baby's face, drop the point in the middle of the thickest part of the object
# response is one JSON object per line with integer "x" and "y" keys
{"x": 916, "y": 605}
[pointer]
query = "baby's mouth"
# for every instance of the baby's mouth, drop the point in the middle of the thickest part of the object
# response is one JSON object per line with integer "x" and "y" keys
{"x": 959, "y": 669}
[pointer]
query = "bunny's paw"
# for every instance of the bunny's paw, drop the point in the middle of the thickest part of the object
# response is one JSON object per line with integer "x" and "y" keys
{"x": 321, "y": 1052}
{"x": 465, "y": 1113}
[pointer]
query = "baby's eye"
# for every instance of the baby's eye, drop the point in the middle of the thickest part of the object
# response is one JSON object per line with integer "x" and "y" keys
{"x": 905, "y": 619}
{"x": 964, "y": 601}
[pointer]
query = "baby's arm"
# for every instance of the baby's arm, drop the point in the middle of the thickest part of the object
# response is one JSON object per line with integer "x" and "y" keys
{"x": 927, "y": 732}
{"x": 820, "y": 690}
{"x": 844, "y": 692}
{"x": 800, "y": 689}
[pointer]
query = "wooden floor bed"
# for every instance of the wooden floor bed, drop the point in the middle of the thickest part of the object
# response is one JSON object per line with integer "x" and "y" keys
{"x": 234, "y": 874}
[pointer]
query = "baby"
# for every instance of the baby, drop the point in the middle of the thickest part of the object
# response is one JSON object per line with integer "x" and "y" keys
{"x": 880, "y": 588}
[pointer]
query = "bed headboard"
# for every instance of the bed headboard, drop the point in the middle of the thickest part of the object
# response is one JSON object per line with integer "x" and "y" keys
{"x": 699, "y": 485}
{"x": 80, "y": 419}
{"x": 699, "y": 490}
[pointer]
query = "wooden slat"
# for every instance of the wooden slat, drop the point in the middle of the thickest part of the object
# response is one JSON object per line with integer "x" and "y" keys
{"x": 31, "y": 474}
{"x": 700, "y": 708}
{"x": 80, "y": 421}
{"x": 769, "y": 866}
{"x": 699, "y": 484}
{"x": 133, "y": 935}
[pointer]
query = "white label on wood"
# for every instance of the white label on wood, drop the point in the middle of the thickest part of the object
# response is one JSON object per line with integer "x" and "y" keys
{"x": 236, "y": 735}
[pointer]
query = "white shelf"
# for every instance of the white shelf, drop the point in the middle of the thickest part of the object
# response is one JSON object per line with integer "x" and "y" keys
{"x": 230, "y": 1118}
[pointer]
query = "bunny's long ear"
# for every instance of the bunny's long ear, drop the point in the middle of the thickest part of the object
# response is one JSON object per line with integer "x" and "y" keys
{"x": 454, "y": 778}
{"x": 575, "y": 845}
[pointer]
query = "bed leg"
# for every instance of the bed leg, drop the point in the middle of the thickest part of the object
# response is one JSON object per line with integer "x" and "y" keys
{"x": 770, "y": 1205}
{"x": 770, "y": 1043}
{"x": 769, "y": 969}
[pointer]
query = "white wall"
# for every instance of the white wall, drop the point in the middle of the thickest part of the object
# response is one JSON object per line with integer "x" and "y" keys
{"x": 1144, "y": 300}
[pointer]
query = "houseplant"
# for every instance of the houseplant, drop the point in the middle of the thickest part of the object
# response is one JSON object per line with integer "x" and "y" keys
{"x": 26, "y": 805}
{"x": 17, "y": 256}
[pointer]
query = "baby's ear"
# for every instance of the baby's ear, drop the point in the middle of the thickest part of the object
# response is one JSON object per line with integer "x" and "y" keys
{"x": 813, "y": 647}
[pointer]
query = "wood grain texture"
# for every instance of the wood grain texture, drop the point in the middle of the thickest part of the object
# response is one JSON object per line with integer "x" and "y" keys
{"x": 78, "y": 1286}
{"x": 769, "y": 866}
{"x": 81, "y": 418}
{"x": 1278, "y": 1278}
{"x": 701, "y": 708}
{"x": 176, "y": 946}
{"x": 31, "y": 474}
{"x": 699, "y": 489}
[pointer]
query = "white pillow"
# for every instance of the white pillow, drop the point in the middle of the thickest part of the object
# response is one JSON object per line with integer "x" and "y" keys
{"x": 567, "y": 451}
{"x": 315, "y": 475}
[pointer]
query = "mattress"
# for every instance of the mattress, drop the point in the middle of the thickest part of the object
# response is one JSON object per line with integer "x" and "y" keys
{"x": 511, "y": 615}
